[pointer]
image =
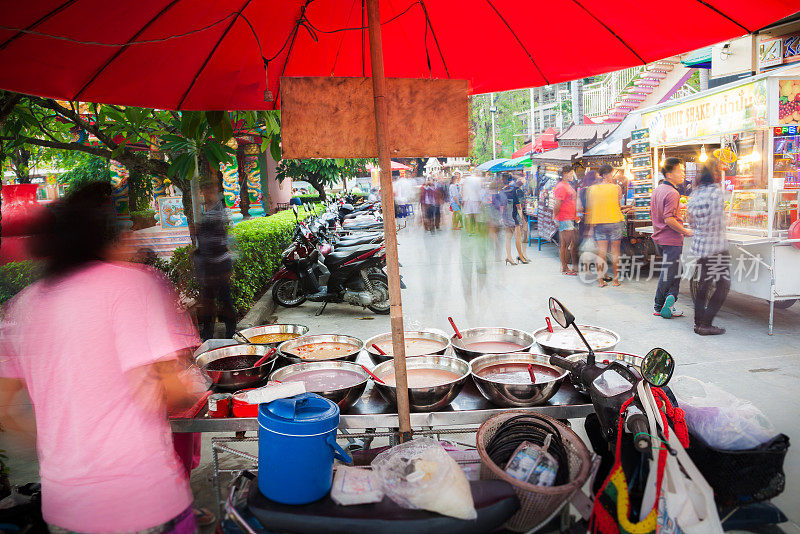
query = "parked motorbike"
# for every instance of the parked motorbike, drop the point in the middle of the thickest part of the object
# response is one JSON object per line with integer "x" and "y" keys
{"x": 614, "y": 384}
{"x": 353, "y": 275}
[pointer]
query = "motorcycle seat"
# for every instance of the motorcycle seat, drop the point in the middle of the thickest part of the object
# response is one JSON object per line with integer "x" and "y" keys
{"x": 358, "y": 241}
{"x": 336, "y": 259}
{"x": 494, "y": 501}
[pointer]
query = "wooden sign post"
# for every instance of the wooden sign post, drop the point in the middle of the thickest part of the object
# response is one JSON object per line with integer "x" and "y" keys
{"x": 346, "y": 118}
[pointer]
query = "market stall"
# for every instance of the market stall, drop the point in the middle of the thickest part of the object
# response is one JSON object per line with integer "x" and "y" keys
{"x": 751, "y": 128}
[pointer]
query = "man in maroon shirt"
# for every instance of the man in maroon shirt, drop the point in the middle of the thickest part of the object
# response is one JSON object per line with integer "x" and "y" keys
{"x": 668, "y": 232}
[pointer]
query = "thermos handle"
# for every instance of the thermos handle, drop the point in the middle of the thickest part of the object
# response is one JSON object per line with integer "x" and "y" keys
{"x": 338, "y": 452}
{"x": 286, "y": 408}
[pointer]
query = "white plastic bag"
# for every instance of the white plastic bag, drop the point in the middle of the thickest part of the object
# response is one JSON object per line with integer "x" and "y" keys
{"x": 419, "y": 474}
{"x": 686, "y": 504}
{"x": 722, "y": 420}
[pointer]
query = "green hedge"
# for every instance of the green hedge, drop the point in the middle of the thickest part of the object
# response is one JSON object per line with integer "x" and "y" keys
{"x": 258, "y": 243}
{"x": 308, "y": 198}
{"x": 15, "y": 276}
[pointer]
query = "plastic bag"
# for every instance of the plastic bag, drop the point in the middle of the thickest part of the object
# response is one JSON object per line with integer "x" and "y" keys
{"x": 419, "y": 474}
{"x": 355, "y": 485}
{"x": 722, "y": 420}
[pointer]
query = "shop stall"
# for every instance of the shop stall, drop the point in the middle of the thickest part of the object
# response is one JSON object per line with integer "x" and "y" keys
{"x": 627, "y": 149}
{"x": 751, "y": 127}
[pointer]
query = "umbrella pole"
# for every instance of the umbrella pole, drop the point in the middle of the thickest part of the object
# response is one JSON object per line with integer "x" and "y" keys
{"x": 389, "y": 228}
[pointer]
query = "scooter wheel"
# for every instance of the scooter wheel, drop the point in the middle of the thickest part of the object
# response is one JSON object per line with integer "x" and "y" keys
{"x": 380, "y": 284}
{"x": 288, "y": 294}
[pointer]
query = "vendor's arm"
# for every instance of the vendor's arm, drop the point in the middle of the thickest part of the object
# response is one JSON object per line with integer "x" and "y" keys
{"x": 9, "y": 420}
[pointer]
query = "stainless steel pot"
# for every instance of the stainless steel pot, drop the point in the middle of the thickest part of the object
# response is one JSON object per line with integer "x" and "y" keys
{"x": 433, "y": 335}
{"x": 504, "y": 394}
{"x": 344, "y": 397}
{"x": 632, "y": 359}
{"x": 285, "y": 349}
{"x": 564, "y": 343}
{"x": 498, "y": 334}
{"x": 237, "y": 377}
{"x": 425, "y": 399}
{"x": 243, "y": 336}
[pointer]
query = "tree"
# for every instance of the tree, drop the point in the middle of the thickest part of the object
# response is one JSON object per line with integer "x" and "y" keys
{"x": 321, "y": 172}
{"x": 190, "y": 140}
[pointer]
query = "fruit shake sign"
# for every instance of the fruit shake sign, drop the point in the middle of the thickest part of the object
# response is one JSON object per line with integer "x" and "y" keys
{"x": 739, "y": 109}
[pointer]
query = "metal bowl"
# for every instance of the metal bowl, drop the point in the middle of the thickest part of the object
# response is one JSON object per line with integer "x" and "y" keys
{"x": 542, "y": 336}
{"x": 510, "y": 395}
{"x": 285, "y": 348}
{"x": 632, "y": 359}
{"x": 243, "y": 336}
{"x": 343, "y": 397}
{"x": 431, "y": 398}
{"x": 499, "y": 334}
{"x": 434, "y": 335}
{"x": 235, "y": 379}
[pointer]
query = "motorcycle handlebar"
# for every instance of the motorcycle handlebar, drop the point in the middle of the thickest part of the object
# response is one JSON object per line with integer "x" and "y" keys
{"x": 564, "y": 363}
{"x": 637, "y": 425}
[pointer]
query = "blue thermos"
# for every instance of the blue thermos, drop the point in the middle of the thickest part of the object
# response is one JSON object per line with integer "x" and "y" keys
{"x": 296, "y": 448}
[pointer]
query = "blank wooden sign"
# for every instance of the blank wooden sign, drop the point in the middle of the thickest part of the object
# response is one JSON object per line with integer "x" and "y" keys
{"x": 333, "y": 118}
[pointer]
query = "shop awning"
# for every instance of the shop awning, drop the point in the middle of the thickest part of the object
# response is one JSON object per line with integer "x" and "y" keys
{"x": 487, "y": 166}
{"x": 558, "y": 156}
{"x": 514, "y": 164}
{"x": 613, "y": 145}
{"x": 699, "y": 59}
{"x": 396, "y": 166}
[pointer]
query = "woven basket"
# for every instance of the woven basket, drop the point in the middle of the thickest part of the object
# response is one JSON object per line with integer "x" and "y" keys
{"x": 537, "y": 503}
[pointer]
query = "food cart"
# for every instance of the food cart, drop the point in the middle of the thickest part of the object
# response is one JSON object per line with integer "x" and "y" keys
{"x": 370, "y": 417}
{"x": 750, "y": 126}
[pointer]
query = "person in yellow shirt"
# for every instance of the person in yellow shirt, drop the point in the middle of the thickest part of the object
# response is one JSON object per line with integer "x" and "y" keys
{"x": 605, "y": 215}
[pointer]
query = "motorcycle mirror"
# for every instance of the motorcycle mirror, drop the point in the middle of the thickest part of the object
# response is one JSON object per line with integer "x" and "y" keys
{"x": 561, "y": 314}
{"x": 657, "y": 367}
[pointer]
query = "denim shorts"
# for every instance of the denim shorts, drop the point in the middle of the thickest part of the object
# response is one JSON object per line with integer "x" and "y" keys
{"x": 564, "y": 226}
{"x": 608, "y": 232}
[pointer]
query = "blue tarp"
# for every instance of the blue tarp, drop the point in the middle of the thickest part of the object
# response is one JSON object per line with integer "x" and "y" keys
{"x": 487, "y": 166}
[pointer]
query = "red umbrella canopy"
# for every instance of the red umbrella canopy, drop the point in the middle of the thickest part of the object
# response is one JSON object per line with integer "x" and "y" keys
{"x": 210, "y": 54}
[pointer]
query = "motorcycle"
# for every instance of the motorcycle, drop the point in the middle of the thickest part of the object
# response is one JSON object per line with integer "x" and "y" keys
{"x": 353, "y": 275}
{"x": 615, "y": 388}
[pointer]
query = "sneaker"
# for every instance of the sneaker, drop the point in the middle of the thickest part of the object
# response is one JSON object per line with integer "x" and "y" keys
{"x": 676, "y": 312}
{"x": 708, "y": 330}
{"x": 666, "y": 309}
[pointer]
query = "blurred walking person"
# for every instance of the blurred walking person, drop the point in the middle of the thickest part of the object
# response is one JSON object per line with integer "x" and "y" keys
{"x": 214, "y": 265}
{"x": 668, "y": 232}
{"x": 605, "y": 215}
{"x": 455, "y": 200}
{"x": 97, "y": 346}
{"x": 471, "y": 207}
{"x": 512, "y": 219}
{"x": 565, "y": 213}
{"x": 706, "y": 212}
{"x": 427, "y": 199}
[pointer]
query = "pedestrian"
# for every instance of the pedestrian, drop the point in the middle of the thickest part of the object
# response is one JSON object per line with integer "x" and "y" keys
{"x": 471, "y": 202}
{"x": 706, "y": 212}
{"x": 565, "y": 214}
{"x": 427, "y": 200}
{"x": 605, "y": 215}
{"x": 98, "y": 346}
{"x": 442, "y": 197}
{"x": 455, "y": 200}
{"x": 512, "y": 219}
{"x": 213, "y": 265}
{"x": 668, "y": 232}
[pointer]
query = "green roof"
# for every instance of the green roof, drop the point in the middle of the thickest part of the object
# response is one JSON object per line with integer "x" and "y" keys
{"x": 698, "y": 57}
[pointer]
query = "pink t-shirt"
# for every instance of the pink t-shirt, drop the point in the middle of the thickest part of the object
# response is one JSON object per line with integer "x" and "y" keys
{"x": 665, "y": 203}
{"x": 83, "y": 345}
{"x": 566, "y": 194}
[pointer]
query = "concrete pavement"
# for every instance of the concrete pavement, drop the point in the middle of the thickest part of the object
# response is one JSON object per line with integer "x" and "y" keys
{"x": 451, "y": 274}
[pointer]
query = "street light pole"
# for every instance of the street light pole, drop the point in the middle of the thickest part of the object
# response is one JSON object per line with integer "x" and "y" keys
{"x": 493, "y": 110}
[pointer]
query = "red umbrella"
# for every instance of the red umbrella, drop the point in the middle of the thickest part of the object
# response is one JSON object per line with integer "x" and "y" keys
{"x": 213, "y": 54}
{"x": 209, "y": 54}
